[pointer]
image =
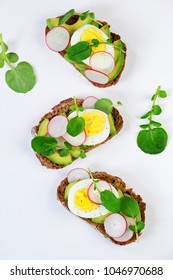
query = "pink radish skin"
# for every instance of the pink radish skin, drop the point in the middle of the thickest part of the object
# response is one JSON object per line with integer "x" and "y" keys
{"x": 94, "y": 195}
{"x": 77, "y": 140}
{"x": 125, "y": 237}
{"x": 115, "y": 225}
{"x": 102, "y": 61}
{"x": 89, "y": 102}
{"x": 78, "y": 174}
{"x": 96, "y": 76}
{"x": 58, "y": 39}
{"x": 57, "y": 126}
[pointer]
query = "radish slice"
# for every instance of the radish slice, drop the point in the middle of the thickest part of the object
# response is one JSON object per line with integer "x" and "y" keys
{"x": 57, "y": 126}
{"x": 58, "y": 38}
{"x": 94, "y": 194}
{"x": 102, "y": 61}
{"x": 77, "y": 140}
{"x": 125, "y": 237}
{"x": 89, "y": 102}
{"x": 78, "y": 174}
{"x": 96, "y": 76}
{"x": 115, "y": 225}
{"x": 34, "y": 131}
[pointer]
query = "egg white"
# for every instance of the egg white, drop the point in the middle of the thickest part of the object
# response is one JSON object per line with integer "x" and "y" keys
{"x": 101, "y": 210}
{"x": 75, "y": 38}
{"x": 99, "y": 137}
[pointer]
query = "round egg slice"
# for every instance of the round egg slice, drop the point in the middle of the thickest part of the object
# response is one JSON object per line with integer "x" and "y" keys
{"x": 97, "y": 126}
{"x": 89, "y": 32}
{"x": 79, "y": 203}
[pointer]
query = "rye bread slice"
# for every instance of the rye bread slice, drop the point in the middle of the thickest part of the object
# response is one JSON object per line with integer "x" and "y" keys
{"x": 117, "y": 183}
{"x": 113, "y": 37}
{"x": 64, "y": 107}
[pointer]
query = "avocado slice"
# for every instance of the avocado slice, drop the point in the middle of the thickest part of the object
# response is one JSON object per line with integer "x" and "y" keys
{"x": 68, "y": 187}
{"x": 100, "y": 220}
{"x": 75, "y": 152}
{"x": 120, "y": 193}
{"x": 105, "y": 28}
{"x": 42, "y": 130}
{"x": 112, "y": 126}
{"x": 56, "y": 158}
{"x": 119, "y": 58}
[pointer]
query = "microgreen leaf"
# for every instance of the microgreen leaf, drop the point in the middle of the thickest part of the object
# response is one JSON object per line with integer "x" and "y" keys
{"x": 156, "y": 109}
{"x": 1, "y": 61}
{"x": 95, "y": 42}
{"x": 76, "y": 126}
{"x": 44, "y": 145}
{"x": 66, "y": 16}
{"x": 84, "y": 15}
{"x": 105, "y": 105}
{"x": 22, "y": 78}
{"x": 109, "y": 41}
{"x": 110, "y": 201}
{"x": 119, "y": 103}
{"x": 156, "y": 124}
{"x": 138, "y": 227}
{"x": 13, "y": 57}
{"x": 73, "y": 107}
{"x": 80, "y": 108}
{"x": 162, "y": 93}
{"x": 129, "y": 206}
{"x": 144, "y": 126}
{"x": 64, "y": 152}
{"x": 82, "y": 154}
{"x": 146, "y": 115}
{"x": 68, "y": 145}
{"x": 79, "y": 51}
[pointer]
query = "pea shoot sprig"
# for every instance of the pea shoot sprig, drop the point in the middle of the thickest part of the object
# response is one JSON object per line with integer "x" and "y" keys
{"x": 21, "y": 78}
{"x": 77, "y": 124}
{"x": 152, "y": 139}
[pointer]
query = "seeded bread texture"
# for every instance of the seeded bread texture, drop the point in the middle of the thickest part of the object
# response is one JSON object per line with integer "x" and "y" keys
{"x": 113, "y": 37}
{"x": 64, "y": 107}
{"x": 117, "y": 183}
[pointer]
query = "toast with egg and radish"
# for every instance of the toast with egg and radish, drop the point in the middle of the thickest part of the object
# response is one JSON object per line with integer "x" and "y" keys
{"x": 73, "y": 128}
{"x": 105, "y": 202}
{"x": 89, "y": 45}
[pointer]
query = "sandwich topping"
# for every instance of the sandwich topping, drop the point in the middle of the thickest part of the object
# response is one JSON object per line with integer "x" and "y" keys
{"x": 100, "y": 201}
{"x": 67, "y": 136}
{"x": 88, "y": 44}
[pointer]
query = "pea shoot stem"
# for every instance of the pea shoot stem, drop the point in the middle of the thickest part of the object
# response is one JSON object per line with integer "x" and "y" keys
{"x": 4, "y": 54}
{"x": 153, "y": 104}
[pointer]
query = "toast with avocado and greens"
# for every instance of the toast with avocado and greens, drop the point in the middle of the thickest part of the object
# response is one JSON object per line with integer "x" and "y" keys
{"x": 73, "y": 128}
{"x": 105, "y": 202}
{"x": 89, "y": 45}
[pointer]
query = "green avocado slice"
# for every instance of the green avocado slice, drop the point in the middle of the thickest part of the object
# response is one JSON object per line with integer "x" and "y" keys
{"x": 42, "y": 130}
{"x": 56, "y": 158}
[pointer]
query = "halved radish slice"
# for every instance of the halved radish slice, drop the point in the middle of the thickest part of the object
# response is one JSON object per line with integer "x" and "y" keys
{"x": 115, "y": 225}
{"x": 94, "y": 194}
{"x": 58, "y": 38}
{"x": 96, "y": 76}
{"x": 102, "y": 61}
{"x": 78, "y": 174}
{"x": 57, "y": 126}
{"x": 89, "y": 102}
{"x": 77, "y": 140}
{"x": 125, "y": 237}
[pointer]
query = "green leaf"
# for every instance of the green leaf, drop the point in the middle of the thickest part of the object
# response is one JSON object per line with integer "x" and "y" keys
{"x": 95, "y": 42}
{"x": 144, "y": 126}
{"x": 162, "y": 93}
{"x": 138, "y": 227}
{"x": 110, "y": 201}
{"x": 64, "y": 152}
{"x": 79, "y": 51}
{"x": 81, "y": 109}
{"x": 76, "y": 126}
{"x": 82, "y": 154}
{"x": 13, "y": 57}
{"x": 1, "y": 61}
{"x": 156, "y": 109}
{"x": 73, "y": 107}
{"x": 5, "y": 47}
{"x": 84, "y": 15}
{"x": 66, "y": 16}
{"x": 105, "y": 105}
{"x": 119, "y": 103}
{"x": 154, "y": 95}
{"x": 44, "y": 145}
{"x": 152, "y": 141}
{"x": 146, "y": 115}
{"x": 109, "y": 41}
{"x": 156, "y": 124}
{"x": 22, "y": 78}
{"x": 129, "y": 206}
{"x": 68, "y": 145}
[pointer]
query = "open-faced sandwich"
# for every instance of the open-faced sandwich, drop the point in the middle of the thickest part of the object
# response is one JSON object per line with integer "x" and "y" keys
{"x": 104, "y": 201}
{"x": 74, "y": 127}
{"x": 89, "y": 45}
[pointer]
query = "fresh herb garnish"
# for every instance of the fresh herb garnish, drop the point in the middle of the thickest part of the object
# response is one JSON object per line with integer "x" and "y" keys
{"x": 77, "y": 124}
{"x": 137, "y": 227}
{"x": 152, "y": 139}
{"x": 21, "y": 78}
{"x": 105, "y": 105}
{"x": 119, "y": 103}
{"x": 44, "y": 145}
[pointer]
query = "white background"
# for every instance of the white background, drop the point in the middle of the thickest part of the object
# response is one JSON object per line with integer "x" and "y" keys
{"x": 33, "y": 224}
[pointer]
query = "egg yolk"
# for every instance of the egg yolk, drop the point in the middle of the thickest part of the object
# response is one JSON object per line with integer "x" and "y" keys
{"x": 82, "y": 201}
{"x": 94, "y": 122}
{"x": 91, "y": 33}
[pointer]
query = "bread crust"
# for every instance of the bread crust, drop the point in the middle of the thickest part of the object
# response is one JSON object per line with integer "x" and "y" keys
{"x": 113, "y": 37}
{"x": 64, "y": 107}
{"x": 117, "y": 183}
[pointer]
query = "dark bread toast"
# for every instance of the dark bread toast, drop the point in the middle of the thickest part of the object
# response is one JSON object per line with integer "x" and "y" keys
{"x": 117, "y": 183}
{"x": 113, "y": 37}
{"x": 64, "y": 107}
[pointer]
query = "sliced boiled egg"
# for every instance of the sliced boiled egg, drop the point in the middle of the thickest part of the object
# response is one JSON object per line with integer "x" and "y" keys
{"x": 89, "y": 32}
{"x": 97, "y": 127}
{"x": 80, "y": 204}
